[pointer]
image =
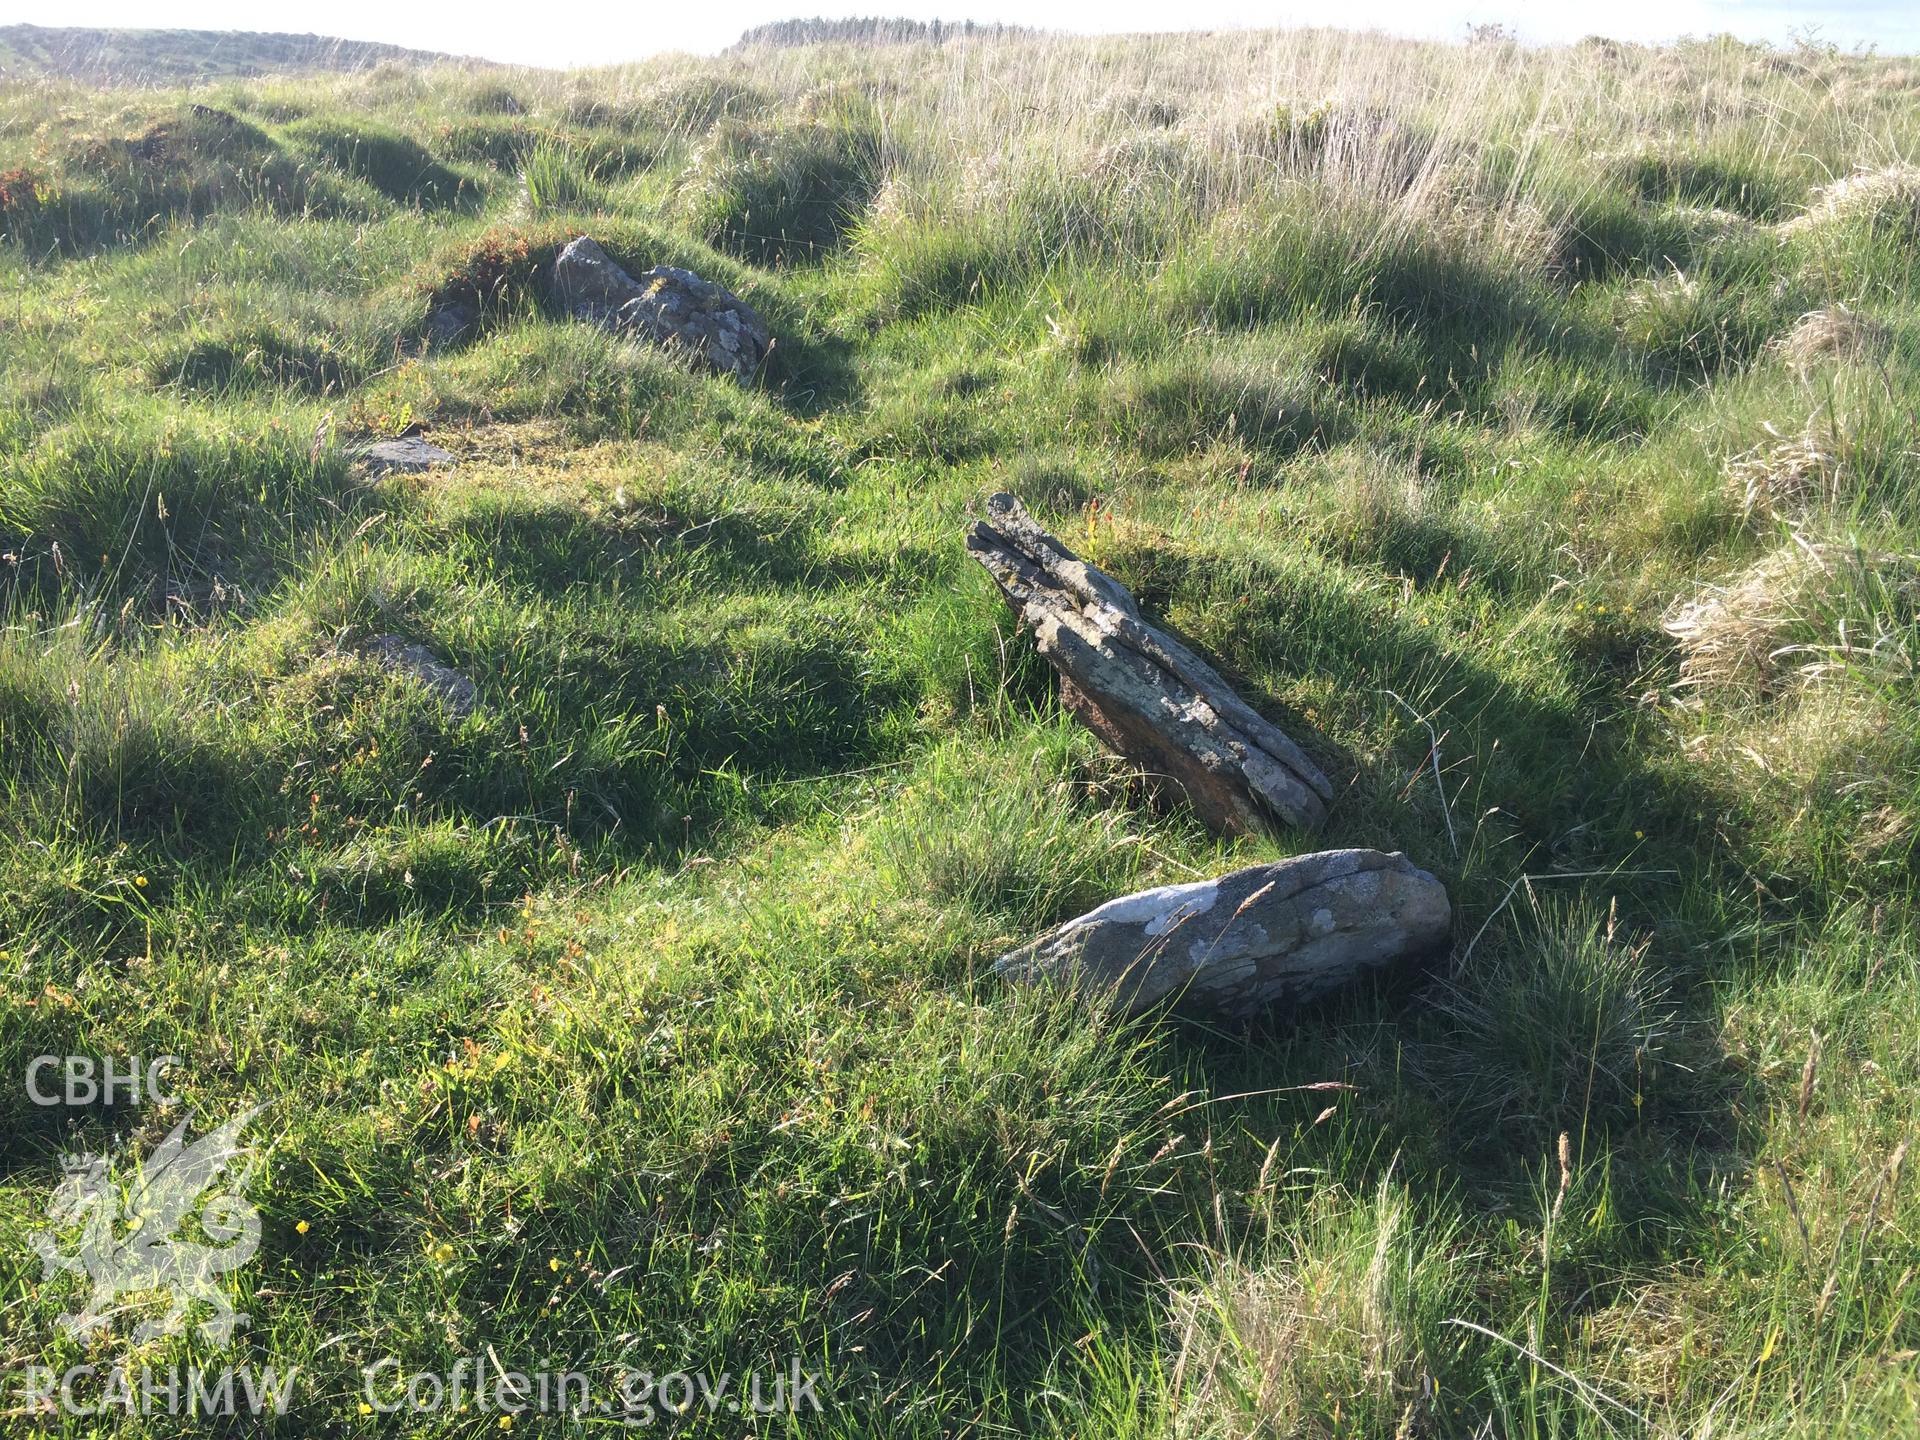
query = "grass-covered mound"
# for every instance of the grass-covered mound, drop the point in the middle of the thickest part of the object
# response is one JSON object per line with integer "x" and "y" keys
{"x": 1536, "y": 428}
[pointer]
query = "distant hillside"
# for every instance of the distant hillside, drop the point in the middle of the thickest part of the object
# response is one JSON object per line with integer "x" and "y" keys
{"x": 162, "y": 57}
{"x": 873, "y": 30}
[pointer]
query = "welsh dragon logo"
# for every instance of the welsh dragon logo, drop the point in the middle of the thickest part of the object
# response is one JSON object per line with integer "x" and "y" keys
{"x": 132, "y": 1243}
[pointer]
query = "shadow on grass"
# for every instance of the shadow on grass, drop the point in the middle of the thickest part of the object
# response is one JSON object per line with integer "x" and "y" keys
{"x": 1573, "y": 1001}
{"x": 812, "y": 372}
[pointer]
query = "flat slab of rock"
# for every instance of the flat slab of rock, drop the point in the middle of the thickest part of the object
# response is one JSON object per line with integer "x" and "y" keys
{"x": 455, "y": 690}
{"x": 408, "y": 456}
{"x": 1143, "y": 692}
{"x": 1268, "y": 935}
{"x": 673, "y": 308}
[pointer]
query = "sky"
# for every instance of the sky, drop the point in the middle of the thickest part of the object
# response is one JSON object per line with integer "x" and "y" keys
{"x": 586, "y": 33}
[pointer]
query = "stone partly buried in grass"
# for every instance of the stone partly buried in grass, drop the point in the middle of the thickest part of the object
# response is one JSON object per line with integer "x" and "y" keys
{"x": 418, "y": 663}
{"x": 448, "y": 325}
{"x": 1143, "y": 692}
{"x": 407, "y": 456}
{"x": 1231, "y": 947}
{"x": 675, "y": 309}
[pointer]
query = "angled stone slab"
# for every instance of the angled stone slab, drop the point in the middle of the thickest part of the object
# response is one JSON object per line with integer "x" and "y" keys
{"x": 1143, "y": 692}
{"x": 1252, "y": 939}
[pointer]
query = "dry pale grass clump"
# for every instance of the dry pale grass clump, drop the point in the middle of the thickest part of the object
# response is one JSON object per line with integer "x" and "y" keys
{"x": 1378, "y": 503}
{"x": 1891, "y": 192}
{"x": 1834, "y": 740}
{"x": 1735, "y": 636}
{"x": 986, "y": 182}
{"x": 895, "y": 202}
{"x": 1710, "y": 225}
{"x": 1659, "y": 292}
{"x": 1837, "y": 332}
{"x": 1143, "y": 107}
{"x": 1531, "y": 234}
{"x": 1787, "y": 475}
{"x": 1643, "y": 1339}
{"x": 1148, "y": 162}
{"x": 1323, "y": 1342}
{"x": 1808, "y": 611}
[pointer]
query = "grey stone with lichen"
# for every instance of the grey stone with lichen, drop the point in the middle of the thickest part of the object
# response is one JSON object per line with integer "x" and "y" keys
{"x": 675, "y": 309}
{"x": 1252, "y": 939}
{"x": 1142, "y": 691}
{"x": 407, "y": 456}
{"x": 405, "y": 657}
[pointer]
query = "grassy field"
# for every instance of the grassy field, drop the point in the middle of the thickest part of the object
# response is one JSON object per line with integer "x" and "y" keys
{"x": 1531, "y": 431}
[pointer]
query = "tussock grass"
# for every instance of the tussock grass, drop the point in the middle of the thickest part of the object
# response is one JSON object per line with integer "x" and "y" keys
{"x": 556, "y": 180}
{"x": 1562, "y": 1026}
{"x": 1787, "y": 475}
{"x": 779, "y": 193}
{"x": 1837, "y": 332}
{"x": 1887, "y": 195}
{"x": 1325, "y": 1327}
{"x": 396, "y": 165}
{"x": 1803, "y": 610}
